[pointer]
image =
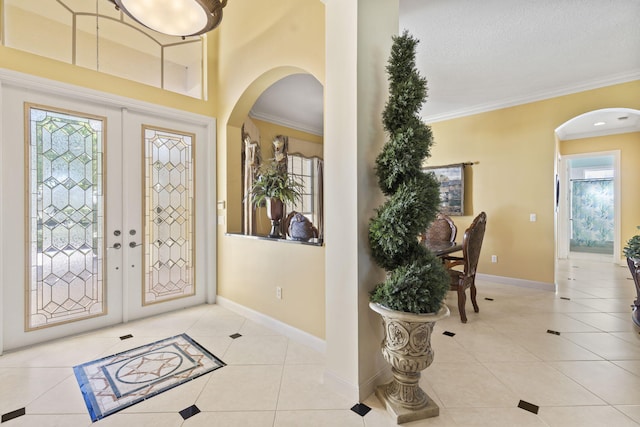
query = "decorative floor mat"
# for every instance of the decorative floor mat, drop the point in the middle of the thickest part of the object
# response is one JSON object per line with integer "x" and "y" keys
{"x": 116, "y": 382}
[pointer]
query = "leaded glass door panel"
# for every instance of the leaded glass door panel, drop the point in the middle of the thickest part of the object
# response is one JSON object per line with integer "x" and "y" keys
{"x": 168, "y": 215}
{"x": 164, "y": 247}
{"x": 66, "y": 208}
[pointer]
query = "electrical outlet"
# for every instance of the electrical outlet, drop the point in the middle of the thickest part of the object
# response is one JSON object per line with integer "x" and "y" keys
{"x": 278, "y": 292}
{"x": 494, "y": 258}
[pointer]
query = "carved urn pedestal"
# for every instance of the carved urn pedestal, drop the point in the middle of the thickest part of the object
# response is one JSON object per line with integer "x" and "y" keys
{"x": 407, "y": 348}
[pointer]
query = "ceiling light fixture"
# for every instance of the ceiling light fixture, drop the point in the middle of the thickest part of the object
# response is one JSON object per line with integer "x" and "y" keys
{"x": 175, "y": 17}
{"x": 599, "y": 124}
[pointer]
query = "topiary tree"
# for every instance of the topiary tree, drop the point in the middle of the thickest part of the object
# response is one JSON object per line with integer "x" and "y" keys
{"x": 416, "y": 279}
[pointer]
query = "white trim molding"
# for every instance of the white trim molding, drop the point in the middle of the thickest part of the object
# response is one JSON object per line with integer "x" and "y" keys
{"x": 313, "y": 130}
{"x": 517, "y": 282}
{"x": 101, "y": 98}
{"x": 282, "y": 328}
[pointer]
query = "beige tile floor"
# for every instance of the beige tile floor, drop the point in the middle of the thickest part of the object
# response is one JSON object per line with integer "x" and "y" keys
{"x": 589, "y": 375}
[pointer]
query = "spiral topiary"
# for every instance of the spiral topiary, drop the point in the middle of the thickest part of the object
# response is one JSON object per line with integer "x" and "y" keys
{"x": 416, "y": 280}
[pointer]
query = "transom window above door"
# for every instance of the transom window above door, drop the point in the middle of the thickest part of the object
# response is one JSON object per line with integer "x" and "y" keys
{"x": 95, "y": 35}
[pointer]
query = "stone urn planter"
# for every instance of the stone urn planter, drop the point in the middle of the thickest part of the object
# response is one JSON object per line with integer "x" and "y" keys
{"x": 407, "y": 348}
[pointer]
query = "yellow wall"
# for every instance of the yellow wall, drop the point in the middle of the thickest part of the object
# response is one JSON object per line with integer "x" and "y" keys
{"x": 513, "y": 151}
{"x": 260, "y": 43}
{"x": 629, "y": 146}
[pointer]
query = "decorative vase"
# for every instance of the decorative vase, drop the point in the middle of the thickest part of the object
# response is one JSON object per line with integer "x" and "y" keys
{"x": 275, "y": 210}
{"x": 634, "y": 267}
{"x": 407, "y": 348}
{"x": 300, "y": 228}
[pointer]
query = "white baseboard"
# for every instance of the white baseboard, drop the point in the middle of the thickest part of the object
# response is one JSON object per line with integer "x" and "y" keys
{"x": 295, "y": 334}
{"x": 383, "y": 376}
{"x": 339, "y": 386}
{"x": 353, "y": 392}
{"x": 517, "y": 282}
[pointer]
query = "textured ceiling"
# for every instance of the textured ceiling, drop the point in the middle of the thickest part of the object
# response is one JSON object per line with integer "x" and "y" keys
{"x": 483, "y": 55}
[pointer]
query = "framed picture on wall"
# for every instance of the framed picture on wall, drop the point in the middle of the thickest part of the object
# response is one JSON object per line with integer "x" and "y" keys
{"x": 451, "y": 178}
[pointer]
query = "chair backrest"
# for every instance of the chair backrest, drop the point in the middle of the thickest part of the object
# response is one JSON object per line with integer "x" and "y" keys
{"x": 442, "y": 229}
{"x": 472, "y": 243}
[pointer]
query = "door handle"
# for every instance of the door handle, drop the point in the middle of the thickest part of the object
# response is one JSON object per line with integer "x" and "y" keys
{"x": 115, "y": 246}
{"x": 134, "y": 244}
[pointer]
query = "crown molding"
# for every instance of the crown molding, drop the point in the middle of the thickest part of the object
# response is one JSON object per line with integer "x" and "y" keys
{"x": 286, "y": 123}
{"x": 512, "y": 102}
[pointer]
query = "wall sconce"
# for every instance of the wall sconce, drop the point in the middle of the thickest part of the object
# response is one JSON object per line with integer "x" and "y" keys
{"x": 175, "y": 17}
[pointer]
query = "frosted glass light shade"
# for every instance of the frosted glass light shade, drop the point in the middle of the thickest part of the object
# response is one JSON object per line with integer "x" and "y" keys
{"x": 175, "y": 17}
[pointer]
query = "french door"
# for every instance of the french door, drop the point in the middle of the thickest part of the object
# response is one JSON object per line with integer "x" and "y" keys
{"x": 99, "y": 215}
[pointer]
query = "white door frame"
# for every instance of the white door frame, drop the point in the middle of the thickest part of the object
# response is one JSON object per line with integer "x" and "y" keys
{"x": 563, "y": 234}
{"x": 206, "y": 192}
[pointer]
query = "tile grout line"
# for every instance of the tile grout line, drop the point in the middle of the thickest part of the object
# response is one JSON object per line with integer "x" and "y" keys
{"x": 284, "y": 362}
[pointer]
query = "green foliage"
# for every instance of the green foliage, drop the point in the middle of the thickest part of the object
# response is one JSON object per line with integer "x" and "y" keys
{"x": 393, "y": 231}
{"x": 632, "y": 249}
{"x": 273, "y": 182}
{"x": 401, "y": 158}
{"x": 405, "y": 288}
{"x": 416, "y": 280}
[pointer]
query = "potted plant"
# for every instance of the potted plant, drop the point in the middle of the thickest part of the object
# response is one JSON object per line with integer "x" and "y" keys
{"x": 410, "y": 300}
{"x": 274, "y": 187}
{"x": 632, "y": 252}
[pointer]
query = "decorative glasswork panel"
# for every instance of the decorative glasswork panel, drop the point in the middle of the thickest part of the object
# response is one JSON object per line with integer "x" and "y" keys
{"x": 592, "y": 215}
{"x": 169, "y": 215}
{"x": 66, "y": 207}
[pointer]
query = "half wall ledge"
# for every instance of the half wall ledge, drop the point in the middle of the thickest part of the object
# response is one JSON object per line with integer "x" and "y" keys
{"x": 310, "y": 242}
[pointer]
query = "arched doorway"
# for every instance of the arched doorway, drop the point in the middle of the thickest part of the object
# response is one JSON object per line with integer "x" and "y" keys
{"x": 589, "y": 181}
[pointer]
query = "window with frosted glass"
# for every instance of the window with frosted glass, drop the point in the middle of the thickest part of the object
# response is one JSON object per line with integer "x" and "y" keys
{"x": 169, "y": 215}
{"x": 66, "y": 217}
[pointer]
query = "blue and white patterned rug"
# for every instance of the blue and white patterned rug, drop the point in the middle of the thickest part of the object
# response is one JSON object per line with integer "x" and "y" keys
{"x": 116, "y": 382}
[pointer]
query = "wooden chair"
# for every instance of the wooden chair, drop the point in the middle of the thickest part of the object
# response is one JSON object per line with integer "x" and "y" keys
{"x": 465, "y": 279}
{"x": 441, "y": 229}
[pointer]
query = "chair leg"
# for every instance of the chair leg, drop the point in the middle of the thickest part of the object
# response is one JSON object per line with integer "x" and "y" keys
{"x": 462, "y": 299}
{"x": 473, "y": 297}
